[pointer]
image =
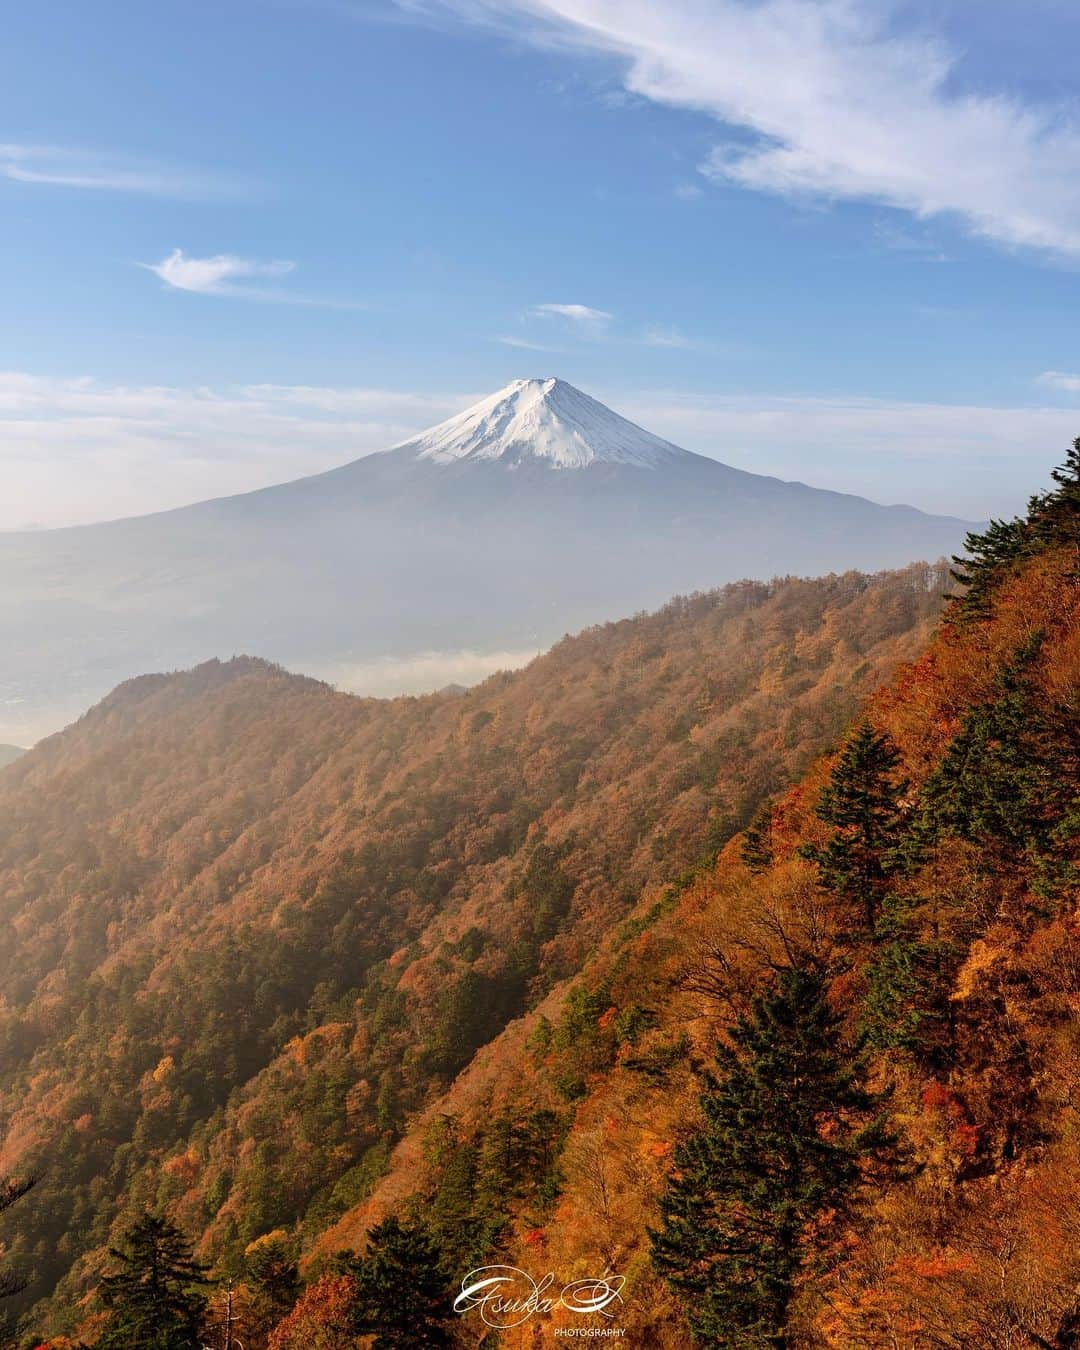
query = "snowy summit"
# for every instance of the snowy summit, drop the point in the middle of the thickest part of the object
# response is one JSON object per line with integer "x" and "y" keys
{"x": 548, "y": 422}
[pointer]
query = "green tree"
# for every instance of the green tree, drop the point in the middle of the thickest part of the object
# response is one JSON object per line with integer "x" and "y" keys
{"x": 402, "y": 1290}
{"x": 10, "y": 1192}
{"x": 987, "y": 557}
{"x": 757, "y": 848}
{"x": 517, "y": 1157}
{"x": 787, "y": 1123}
{"x": 455, "y": 1213}
{"x": 155, "y": 1299}
{"x": 908, "y": 982}
{"x": 271, "y": 1269}
{"x": 862, "y": 802}
{"x": 1053, "y": 518}
{"x": 471, "y": 1011}
{"x": 1008, "y": 778}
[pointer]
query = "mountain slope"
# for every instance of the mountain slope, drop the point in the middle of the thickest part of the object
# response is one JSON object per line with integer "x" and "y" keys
{"x": 536, "y": 513}
{"x": 252, "y": 925}
{"x": 964, "y": 994}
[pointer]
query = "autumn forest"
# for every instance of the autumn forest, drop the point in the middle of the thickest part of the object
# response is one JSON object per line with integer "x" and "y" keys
{"x": 726, "y": 952}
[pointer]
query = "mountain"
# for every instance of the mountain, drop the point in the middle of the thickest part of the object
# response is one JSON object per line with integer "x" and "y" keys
{"x": 535, "y": 513}
{"x": 924, "y": 875}
{"x": 251, "y": 927}
{"x": 10, "y": 753}
{"x": 541, "y": 422}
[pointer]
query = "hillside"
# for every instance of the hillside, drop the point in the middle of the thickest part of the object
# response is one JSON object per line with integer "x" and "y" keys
{"x": 535, "y": 513}
{"x": 253, "y": 926}
{"x": 9, "y": 753}
{"x": 948, "y": 948}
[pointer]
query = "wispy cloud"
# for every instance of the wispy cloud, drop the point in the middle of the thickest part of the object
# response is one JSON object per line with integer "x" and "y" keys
{"x": 525, "y": 345}
{"x": 584, "y": 317}
{"x": 216, "y": 275}
{"x": 1060, "y": 379}
{"x": 915, "y": 244}
{"x": 102, "y": 171}
{"x": 655, "y": 336}
{"x": 225, "y": 274}
{"x": 867, "y": 110}
{"x": 583, "y": 322}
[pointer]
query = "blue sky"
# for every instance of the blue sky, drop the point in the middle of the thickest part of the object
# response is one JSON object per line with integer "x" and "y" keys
{"x": 827, "y": 239}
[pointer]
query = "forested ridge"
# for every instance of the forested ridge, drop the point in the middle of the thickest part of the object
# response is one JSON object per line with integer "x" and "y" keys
{"x": 729, "y": 953}
{"x": 253, "y": 929}
{"x": 822, "y": 1092}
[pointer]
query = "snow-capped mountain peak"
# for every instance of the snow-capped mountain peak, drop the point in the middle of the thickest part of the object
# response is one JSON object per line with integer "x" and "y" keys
{"x": 548, "y": 422}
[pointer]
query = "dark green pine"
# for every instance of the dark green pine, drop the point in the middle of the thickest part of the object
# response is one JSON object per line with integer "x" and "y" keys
{"x": 757, "y": 849}
{"x": 780, "y": 1146}
{"x": 1053, "y": 520}
{"x": 154, "y": 1298}
{"x": 862, "y": 801}
{"x": 403, "y": 1297}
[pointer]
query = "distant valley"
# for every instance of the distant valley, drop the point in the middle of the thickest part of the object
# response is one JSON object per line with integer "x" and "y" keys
{"x": 299, "y": 913}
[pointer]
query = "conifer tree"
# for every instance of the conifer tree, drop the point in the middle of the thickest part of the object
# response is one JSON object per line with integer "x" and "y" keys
{"x": 272, "y": 1274}
{"x": 787, "y": 1121}
{"x": 155, "y": 1299}
{"x": 757, "y": 848}
{"x": 987, "y": 554}
{"x": 1055, "y": 515}
{"x": 11, "y": 1191}
{"x": 1053, "y": 518}
{"x": 402, "y": 1290}
{"x": 906, "y": 1005}
{"x": 1009, "y": 775}
{"x": 862, "y": 802}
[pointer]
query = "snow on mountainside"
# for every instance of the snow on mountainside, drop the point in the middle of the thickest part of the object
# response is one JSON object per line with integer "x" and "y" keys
{"x": 548, "y": 421}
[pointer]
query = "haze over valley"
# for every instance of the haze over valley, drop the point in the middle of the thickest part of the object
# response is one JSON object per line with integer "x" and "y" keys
{"x": 597, "y": 859}
{"x": 535, "y": 513}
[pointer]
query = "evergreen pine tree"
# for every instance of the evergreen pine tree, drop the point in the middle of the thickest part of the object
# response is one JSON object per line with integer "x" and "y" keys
{"x": 757, "y": 849}
{"x": 986, "y": 555}
{"x": 862, "y": 802}
{"x": 154, "y": 1300}
{"x": 1053, "y": 518}
{"x": 1005, "y": 778}
{"x": 402, "y": 1290}
{"x": 271, "y": 1271}
{"x": 908, "y": 983}
{"x": 780, "y": 1147}
{"x": 10, "y": 1192}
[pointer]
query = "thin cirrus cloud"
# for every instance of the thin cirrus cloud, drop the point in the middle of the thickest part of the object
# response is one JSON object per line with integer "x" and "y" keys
{"x": 226, "y": 274}
{"x": 524, "y": 344}
{"x": 102, "y": 171}
{"x": 1061, "y": 380}
{"x": 833, "y": 100}
{"x": 670, "y": 338}
{"x": 916, "y": 245}
{"x": 582, "y": 316}
{"x": 585, "y": 322}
